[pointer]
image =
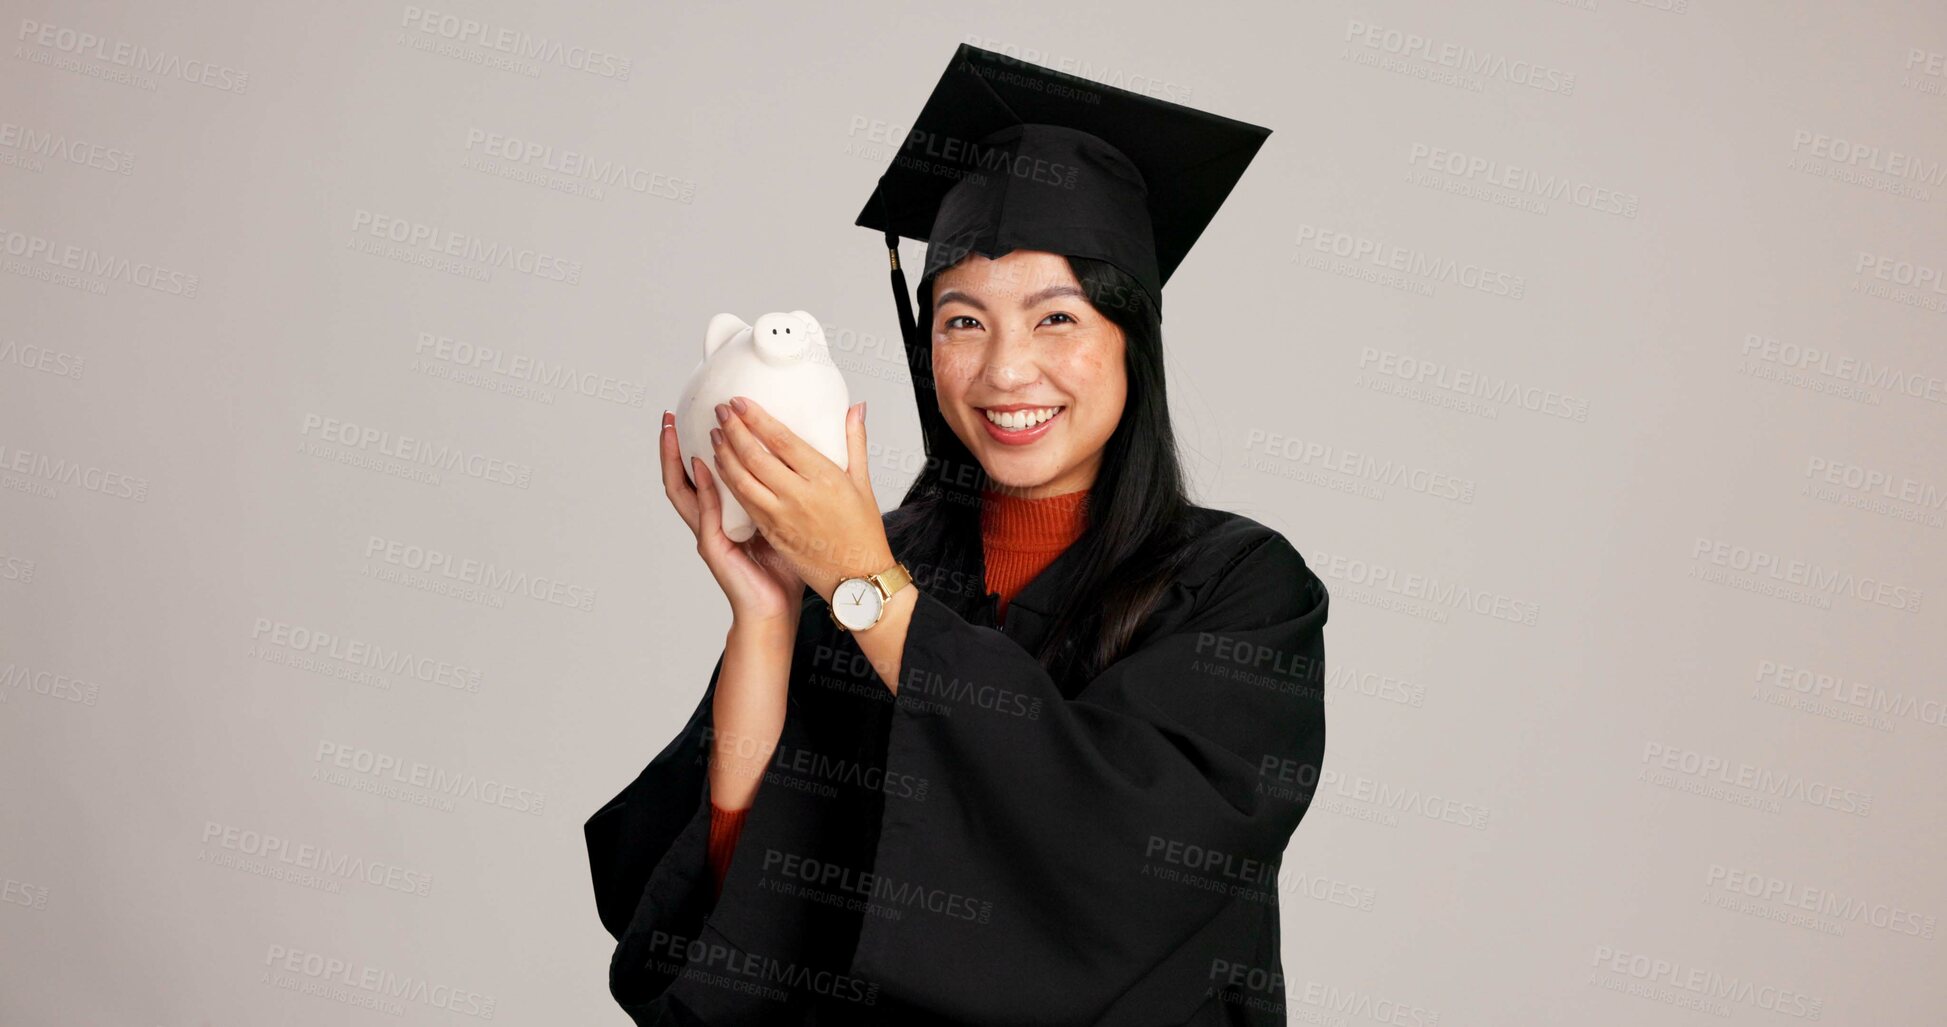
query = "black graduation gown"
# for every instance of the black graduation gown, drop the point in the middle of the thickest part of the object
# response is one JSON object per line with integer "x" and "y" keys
{"x": 994, "y": 846}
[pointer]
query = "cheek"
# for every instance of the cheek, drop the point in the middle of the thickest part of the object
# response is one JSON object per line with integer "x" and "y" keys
{"x": 1098, "y": 375}
{"x": 953, "y": 368}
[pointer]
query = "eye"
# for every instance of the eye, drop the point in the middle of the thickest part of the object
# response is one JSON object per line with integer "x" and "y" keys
{"x": 1058, "y": 313}
{"x": 959, "y": 317}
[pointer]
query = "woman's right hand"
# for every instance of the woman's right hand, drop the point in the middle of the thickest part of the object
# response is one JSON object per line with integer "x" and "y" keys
{"x": 761, "y": 586}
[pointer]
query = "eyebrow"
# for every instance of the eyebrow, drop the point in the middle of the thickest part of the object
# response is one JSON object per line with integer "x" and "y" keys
{"x": 953, "y": 295}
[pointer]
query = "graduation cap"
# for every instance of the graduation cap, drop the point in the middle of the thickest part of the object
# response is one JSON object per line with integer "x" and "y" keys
{"x": 1009, "y": 155}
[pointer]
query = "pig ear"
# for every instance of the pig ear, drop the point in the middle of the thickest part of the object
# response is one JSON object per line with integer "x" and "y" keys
{"x": 811, "y": 323}
{"x": 723, "y": 328}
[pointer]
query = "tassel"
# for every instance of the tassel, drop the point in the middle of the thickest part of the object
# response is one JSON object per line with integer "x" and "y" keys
{"x": 918, "y": 353}
{"x": 900, "y": 294}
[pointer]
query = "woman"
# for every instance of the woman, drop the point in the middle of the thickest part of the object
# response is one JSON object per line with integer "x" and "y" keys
{"x": 1046, "y": 772}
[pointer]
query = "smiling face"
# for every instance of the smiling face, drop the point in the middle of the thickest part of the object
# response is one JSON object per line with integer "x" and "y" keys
{"x": 1030, "y": 374}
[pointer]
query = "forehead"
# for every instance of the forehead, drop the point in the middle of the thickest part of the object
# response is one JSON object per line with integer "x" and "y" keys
{"x": 1015, "y": 273}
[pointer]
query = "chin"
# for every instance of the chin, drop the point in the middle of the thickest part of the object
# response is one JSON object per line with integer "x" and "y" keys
{"x": 1018, "y": 474}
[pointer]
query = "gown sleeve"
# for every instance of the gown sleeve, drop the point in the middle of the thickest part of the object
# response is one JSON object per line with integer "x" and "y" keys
{"x": 648, "y": 856}
{"x": 1107, "y": 856}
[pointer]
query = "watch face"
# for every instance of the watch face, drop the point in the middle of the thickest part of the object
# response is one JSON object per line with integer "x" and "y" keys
{"x": 856, "y": 603}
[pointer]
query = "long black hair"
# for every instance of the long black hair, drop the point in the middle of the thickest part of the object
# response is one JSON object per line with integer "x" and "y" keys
{"x": 1137, "y": 508}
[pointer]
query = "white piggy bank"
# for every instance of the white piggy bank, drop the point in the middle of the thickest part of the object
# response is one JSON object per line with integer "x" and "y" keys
{"x": 784, "y": 365}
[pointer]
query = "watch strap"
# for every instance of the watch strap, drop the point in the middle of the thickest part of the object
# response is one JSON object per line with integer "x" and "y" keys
{"x": 892, "y": 579}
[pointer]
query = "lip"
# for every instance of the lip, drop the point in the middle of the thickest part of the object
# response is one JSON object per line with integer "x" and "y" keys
{"x": 1021, "y": 438}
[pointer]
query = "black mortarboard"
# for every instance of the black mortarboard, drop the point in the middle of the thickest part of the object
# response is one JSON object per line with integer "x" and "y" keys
{"x": 1010, "y": 155}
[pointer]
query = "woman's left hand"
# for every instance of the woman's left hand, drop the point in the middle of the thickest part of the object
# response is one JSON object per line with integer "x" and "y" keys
{"x": 824, "y": 520}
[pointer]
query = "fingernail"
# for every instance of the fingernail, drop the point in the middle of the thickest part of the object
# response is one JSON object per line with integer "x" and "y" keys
{"x": 723, "y": 414}
{"x": 716, "y": 436}
{"x": 861, "y": 410}
{"x": 737, "y": 404}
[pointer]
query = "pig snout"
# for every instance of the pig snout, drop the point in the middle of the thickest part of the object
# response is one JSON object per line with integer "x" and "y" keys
{"x": 781, "y": 338}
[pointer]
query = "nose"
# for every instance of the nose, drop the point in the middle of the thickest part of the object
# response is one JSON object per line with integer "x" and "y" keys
{"x": 1010, "y": 359}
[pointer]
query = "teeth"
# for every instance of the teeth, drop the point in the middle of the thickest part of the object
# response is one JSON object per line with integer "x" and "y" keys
{"x": 1016, "y": 420}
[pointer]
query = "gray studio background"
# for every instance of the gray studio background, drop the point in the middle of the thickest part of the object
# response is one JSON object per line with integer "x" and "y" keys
{"x": 1591, "y": 351}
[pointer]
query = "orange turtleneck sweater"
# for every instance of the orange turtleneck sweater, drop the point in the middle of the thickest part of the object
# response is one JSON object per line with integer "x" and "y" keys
{"x": 1019, "y": 539}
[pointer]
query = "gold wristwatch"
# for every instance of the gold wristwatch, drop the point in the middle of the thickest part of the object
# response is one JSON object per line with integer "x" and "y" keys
{"x": 858, "y": 603}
